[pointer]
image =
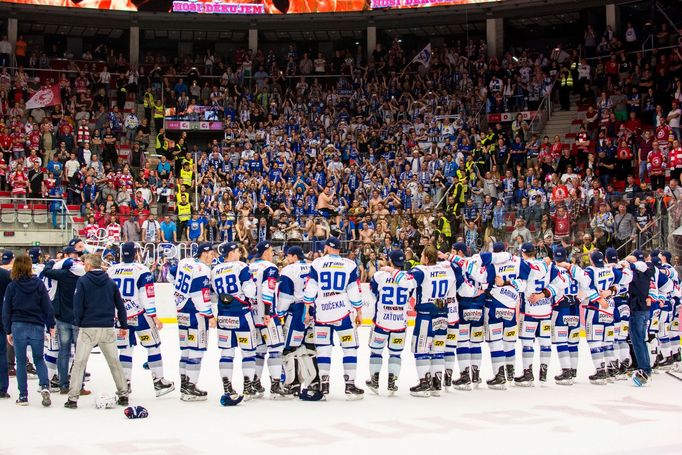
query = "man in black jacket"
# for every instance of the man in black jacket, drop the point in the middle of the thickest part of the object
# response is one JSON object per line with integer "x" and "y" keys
{"x": 65, "y": 273}
{"x": 4, "y": 364}
{"x": 640, "y": 302}
{"x": 96, "y": 304}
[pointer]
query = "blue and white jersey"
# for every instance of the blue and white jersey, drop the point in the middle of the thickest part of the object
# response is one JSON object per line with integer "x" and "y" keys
{"x": 50, "y": 284}
{"x": 235, "y": 279}
{"x": 577, "y": 280}
{"x": 506, "y": 266}
{"x": 192, "y": 282}
{"x": 663, "y": 285}
{"x": 292, "y": 283}
{"x": 535, "y": 276}
{"x": 434, "y": 282}
{"x": 673, "y": 276}
{"x": 624, "y": 276}
{"x": 600, "y": 280}
{"x": 265, "y": 275}
{"x": 75, "y": 266}
{"x": 136, "y": 284}
{"x": 333, "y": 287}
{"x": 392, "y": 291}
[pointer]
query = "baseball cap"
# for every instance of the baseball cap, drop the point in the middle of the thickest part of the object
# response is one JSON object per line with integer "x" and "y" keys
{"x": 108, "y": 252}
{"x": 69, "y": 250}
{"x": 128, "y": 252}
{"x": 333, "y": 242}
{"x": 655, "y": 252}
{"x": 35, "y": 253}
{"x": 611, "y": 255}
{"x": 597, "y": 258}
{"x": 528, "y": 248}
{"x": 225, "y": 248}
{"x": 638, "y": 254}
{"x": 261, "y": 247}
{"x": 656, "y": 260}
{"x": 498, "y": 247}
{"x": 74, "y": 241}
{"x": 668, "y": 256}
{"x": 397, "y": 257}
{"x": 7, "y": 257}
{"x": 560, "y": 254}
{"x": 296, "y": 251}
{"x": 459, "y": 246}
{"x": 203, "y": 248}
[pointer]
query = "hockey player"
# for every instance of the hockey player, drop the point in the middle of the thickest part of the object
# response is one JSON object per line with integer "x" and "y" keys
{"x": 471, "y": 320}
{"x": 666, "y": 291}
{"x": 498, "y": 272}
{"x": 666, "y": 259}
{"x": 191, "y": 282}
{"x": 541, "y": 285}
{"x": 621, "y": 313}
{"x": 392, "y": 289}
{"x": 271, "y": 336}
{"x": 566, "y": 318}
{"x": 136, "y": 285}
{"x": 234, "y": 288}
{"x": 333, "y": 289}
{"x": 436, "y": 285}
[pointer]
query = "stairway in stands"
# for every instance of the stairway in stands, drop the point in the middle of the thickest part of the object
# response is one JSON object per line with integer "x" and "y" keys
{"x": 565, "y": 124}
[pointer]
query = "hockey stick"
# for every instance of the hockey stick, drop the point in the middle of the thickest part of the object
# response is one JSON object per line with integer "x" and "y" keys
{"x": 674, "y": 375}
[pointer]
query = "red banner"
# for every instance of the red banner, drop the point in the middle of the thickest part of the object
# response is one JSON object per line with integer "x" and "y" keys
{"x": 49, "y": 96}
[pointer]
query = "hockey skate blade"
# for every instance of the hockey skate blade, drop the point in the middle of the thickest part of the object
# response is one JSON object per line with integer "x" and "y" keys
{"x": 497, "y": 387}
{"x": 280, "y": 397}
{"x": 463, "y": 388}
{"x": 392, "y": 393}
{"x": 162, "y": 392}
{"x": 434, "y": 393}
{"x": 598, "y": 382}
{"x": 569, "y": 382}
{"x": 425, "y": 394}
{"x": 185, "y": 397}
{"x": 524, "y": 384}
{"x": 374, "y": 390}
{"x": 354, "y": 397}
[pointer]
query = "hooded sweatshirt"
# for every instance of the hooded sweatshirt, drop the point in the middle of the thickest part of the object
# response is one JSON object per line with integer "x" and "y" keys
{"x": 26, "y": 300}
{"x": 97, "y": 302}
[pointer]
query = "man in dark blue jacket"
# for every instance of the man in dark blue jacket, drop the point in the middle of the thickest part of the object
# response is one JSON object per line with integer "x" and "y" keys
{"x": 97, "y": 304}
{"x": 640, "y": 301}
{"x": 65, "y": 273}
{"x": 4, "y": 364}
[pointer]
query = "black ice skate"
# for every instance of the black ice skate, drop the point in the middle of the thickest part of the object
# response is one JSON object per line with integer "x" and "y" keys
{"x": 324, "y": 385}
{"x": 54, "y": 384}
{"x": 392, "y": 386}
{"x": 525, "y": 380}
{"x": 666, "y": 364}
{"x": 565, "y": 378}
{"x": 499, "y": 382}
{"x": 447, "y": 380}
{"x": 436, "y": 385}
{"x": 278, "y": 392}
{"x": 191, "y": 393}
{"x": 163, "y": 387}
{"x": 464, "y": 381}
{"x": 510, "y": 372}
{"x": 543, "y": 372}
{"x": 677, "y": 357}
{"x": 353, "y": 393}
{"x": 574, "y": 373}
{"x": 422, "y": 389}
{"x": 373, "y": 383}
{"x": 475, "y": 376}
{"x": 258, "y": 387}
{"x": 230, "y": 396}
{"x": 31, "y": 372}
{"x": 184, "y": 380}
{"x": 612, "y": 371}
{"x": 249, "y": 391}
{"x": 599, "y": 377}
{"x": 624, "y": 369}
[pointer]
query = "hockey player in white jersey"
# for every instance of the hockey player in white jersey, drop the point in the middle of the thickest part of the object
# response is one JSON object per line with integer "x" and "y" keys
{"x": 51, "y": 345}
{"x": 136, "y": 285}
{"x": 192, "y": 294}
{"x": 665, "y": 285}
{"x": 299, "y": 362}
{"x": 392, "y": 289}
{"x": 271, "y": 336}
{"x": 333, "y": 289}
{"x": 540, "y": 285}
{"x": 566, "y": 318}
{"x": 621, "y": 313}
{"x": 234, "y": 290}
{"x": 666, "y": 259}
{"x": 498, "y": 271}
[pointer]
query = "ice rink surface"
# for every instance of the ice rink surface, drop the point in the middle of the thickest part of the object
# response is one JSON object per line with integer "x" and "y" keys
{"x": 618, "y": 419}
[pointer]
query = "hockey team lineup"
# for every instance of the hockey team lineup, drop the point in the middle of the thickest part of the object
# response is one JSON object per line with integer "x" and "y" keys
{"x": 290, "y": 319}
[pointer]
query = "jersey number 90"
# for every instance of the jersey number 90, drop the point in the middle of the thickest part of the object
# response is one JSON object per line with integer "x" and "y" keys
{"x": 126, "y": 286}
{"x": 332, "y": 281}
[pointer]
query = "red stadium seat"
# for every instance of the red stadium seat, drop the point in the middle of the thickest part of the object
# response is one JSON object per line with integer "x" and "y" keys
{"x": 8, "y": 214}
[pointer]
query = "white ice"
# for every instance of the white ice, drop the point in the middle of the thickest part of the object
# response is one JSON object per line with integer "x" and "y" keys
{"x": 583, "y": 419}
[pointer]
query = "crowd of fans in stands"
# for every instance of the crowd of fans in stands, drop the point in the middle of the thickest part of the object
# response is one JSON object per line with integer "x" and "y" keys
{"x": 384, "y": 155}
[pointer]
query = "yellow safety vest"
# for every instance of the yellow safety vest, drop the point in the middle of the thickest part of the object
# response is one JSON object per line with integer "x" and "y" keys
{"x": 446, "y": 230}
{"x": 184, "y": 211}
{"x": 158, "y": 111}
{"x": 158, "y": 143}
{"x": 148, "y": 100}
{"x": 567, "y": 81}
{"x": 186, "y": 177}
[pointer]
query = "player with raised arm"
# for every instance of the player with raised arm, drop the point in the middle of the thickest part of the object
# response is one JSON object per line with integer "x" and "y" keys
{"x": 566, "y": 318}
{"x": 541, "y": 284}
{"x": 498, "y": 273}
{"x": 333, "y": 289}
{"x": 271, "y": 340}
{"x": 299, "y": 363}
{"x": 234, "y": 288}
{"x": 192, "y": 284}
{"x": 392, "y": 289}
{"x": 136, "y": 285}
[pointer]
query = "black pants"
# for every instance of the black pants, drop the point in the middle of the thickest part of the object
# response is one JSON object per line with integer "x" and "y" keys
{"x": 565, "y": 97}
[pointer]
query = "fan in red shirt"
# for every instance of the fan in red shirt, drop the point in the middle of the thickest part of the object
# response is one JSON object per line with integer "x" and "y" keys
{"x": 5, "y": 141}
{"x": 562, "y": 224}
{"x": 656, "y": 167}
{"x": 664, "y": 135}
{"x": 18, "y": 180}
{"x": 91, "y": 229}
{"x": 18, "y": 142}
{"x": 675, "y": 156}
{"x": 560, "y": 193}
{"x": 114, "y": 230}
{"x": 624, "y": 156}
